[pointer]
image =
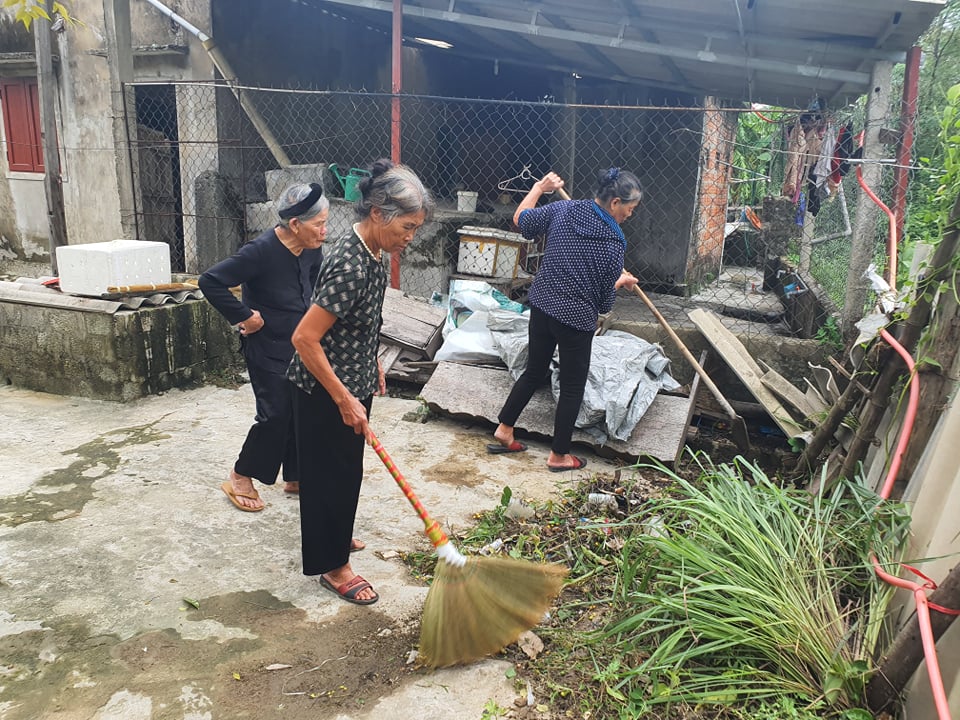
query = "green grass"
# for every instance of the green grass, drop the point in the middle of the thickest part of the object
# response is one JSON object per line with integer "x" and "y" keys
{"x": 723, "y": 593}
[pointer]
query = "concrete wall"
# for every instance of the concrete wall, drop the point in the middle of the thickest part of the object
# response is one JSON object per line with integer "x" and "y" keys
{"x": 117, "y": 356}
{"x": 85, "y": 128}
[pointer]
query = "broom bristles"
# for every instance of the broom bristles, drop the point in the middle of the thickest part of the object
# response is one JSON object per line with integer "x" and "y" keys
{"x": 480, "y": 608}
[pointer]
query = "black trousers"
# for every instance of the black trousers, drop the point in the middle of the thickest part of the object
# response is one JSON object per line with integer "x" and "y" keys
{"x": 270, "y": 442}
{"x": 331, "y": 464}
{"x": 545, "y": 335}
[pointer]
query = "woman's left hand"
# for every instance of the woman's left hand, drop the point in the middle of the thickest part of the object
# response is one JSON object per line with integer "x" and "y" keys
{"x": 626, "y": 280}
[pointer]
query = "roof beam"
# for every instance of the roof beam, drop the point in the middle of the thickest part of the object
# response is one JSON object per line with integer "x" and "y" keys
{"x": 850, "y": 46}
{"x": 701, "y": 56}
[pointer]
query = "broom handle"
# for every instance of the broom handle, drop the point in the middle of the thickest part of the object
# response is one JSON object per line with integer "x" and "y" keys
{"x": 432, "y": 528}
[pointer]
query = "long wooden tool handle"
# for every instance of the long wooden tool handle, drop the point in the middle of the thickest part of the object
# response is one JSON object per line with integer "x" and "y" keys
{"x": 432, "y": 527}
{"x": 157, "y": 287}
{"x": 687, "y": 354}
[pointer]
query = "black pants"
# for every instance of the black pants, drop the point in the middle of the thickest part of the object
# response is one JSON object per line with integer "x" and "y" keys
{"x": 270, "y": 441}
{"x": 331, "y": 465}
{"x": 545, "y": 335}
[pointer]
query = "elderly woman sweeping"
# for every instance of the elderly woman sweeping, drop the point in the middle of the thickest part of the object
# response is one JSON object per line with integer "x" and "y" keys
{"x": 581, "y": 270}
{"x": 336, "y": 371}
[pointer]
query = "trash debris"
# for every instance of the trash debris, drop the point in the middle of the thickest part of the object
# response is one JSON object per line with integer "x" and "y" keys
{"x": 531, "y": 644}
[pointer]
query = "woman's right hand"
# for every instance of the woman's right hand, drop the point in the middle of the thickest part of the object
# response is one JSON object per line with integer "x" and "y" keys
{"x": 252, "y": 324}
{"x": 550, "y": 182}
{"x": 354, "y": 414}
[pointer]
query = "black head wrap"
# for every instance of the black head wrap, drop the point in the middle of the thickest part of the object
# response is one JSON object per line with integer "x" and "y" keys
{"x": 301, "y": 207}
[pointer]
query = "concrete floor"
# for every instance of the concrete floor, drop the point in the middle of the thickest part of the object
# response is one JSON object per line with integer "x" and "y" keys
{"x": 111, "y": 519}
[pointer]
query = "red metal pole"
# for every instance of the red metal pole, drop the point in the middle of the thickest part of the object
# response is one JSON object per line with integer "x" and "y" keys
{"x": 397, "y": 86}
{"x": 908, "y": 118}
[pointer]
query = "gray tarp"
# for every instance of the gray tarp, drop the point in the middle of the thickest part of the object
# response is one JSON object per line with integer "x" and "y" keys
{"x": 626, "y": 373}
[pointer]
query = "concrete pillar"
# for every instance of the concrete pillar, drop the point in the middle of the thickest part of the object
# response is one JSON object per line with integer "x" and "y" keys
{"x": 116, "y": 17}
{"x": 219, "y": 226}
{"x": 864, "y": 241}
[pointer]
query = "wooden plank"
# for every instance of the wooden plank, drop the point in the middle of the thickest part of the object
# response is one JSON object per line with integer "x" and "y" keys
{"x": 788, "y": 392}
{"x": 479, "y": 392}
{"x": 387, "y": 355}
{"x": 691, "y": 408}
{"x": 742, "y": 363}
{"x": 411, "y": 323}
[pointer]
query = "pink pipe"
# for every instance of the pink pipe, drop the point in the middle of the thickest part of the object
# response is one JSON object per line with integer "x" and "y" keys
{"x": 919, "y": 590}
{"x": 926, "y": 634}
{"x": 892, "y": 241}
{"x": 908, "y": 419}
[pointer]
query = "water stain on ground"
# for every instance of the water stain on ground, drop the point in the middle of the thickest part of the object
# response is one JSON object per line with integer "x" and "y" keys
{"x": 63, "y": 493}
{"x": 288, "y": 668}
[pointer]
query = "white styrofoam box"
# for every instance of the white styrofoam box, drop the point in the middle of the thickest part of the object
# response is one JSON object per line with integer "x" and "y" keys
{"x": 91, "y": 268}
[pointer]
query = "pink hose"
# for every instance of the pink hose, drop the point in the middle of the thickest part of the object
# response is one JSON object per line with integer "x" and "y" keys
{"x": 892, "y": 241}
{"x": 919, "y": 590}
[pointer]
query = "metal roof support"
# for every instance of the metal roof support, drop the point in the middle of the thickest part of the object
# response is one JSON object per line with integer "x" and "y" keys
{"x": 775, "y": 66}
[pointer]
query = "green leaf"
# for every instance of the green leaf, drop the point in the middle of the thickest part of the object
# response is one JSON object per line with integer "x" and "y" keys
{"x": 856, "y": 714}
{"x": 192, "y": 603}
{"x": 505, "y": 496}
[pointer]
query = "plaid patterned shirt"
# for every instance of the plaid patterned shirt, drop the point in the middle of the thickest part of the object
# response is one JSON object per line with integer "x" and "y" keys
{"x": 351, "y": 286}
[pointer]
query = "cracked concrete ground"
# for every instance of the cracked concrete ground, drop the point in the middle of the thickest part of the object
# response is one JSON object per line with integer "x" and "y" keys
{"x": 131, "y": 589}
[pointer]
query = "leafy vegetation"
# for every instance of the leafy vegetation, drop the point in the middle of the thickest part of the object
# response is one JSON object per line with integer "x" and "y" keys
{"x": 720, "y": 591}
{"x": 26, "y": 11}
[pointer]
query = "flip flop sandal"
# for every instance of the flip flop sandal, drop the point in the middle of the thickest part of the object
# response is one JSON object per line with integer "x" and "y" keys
{"x": 233, "y": 495}
{"x": 581, "y": 463}
{"x": 349, "y": 590}
{"x": 500, "y": 448}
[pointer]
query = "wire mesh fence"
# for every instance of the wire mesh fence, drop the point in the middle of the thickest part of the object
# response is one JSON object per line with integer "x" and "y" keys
{"x": 210, "y": 160}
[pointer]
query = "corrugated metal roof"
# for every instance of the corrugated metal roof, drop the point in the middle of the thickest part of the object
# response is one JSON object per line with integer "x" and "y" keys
{"x": 30, "y": 292}
{"x": 776, "y": 51}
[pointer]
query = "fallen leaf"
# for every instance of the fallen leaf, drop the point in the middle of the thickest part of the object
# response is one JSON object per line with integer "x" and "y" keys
{"x": 531, "y": 644}
{"x": 278, "y": 666}
{"x": 236, "y": 676}
{"x": 192, "y": 603}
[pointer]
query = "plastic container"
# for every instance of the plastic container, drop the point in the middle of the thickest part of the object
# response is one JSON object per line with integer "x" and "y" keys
{"x": 467, "y": 201}
{"x": 94, "y": 268}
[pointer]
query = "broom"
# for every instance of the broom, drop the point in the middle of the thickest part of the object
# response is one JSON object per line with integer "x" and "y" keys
{"x": 476, "y": 605}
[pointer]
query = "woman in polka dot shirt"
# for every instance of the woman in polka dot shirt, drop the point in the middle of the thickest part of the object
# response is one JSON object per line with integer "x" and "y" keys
{"x": 579, "y": 274}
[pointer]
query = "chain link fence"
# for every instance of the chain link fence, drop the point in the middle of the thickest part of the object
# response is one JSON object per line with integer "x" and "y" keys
{"x": 210, "y": 160}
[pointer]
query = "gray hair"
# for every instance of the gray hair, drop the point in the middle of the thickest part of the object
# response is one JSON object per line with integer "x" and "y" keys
{"x": 293, "y": 195}
{"x": 395, "y": 190}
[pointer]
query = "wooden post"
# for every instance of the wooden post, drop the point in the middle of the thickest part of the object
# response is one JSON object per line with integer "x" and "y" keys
{"x": 52, "y": 181}
{"x": 116, "y": 17}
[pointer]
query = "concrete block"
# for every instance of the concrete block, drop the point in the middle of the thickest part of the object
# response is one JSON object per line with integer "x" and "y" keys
{"x": 219, "y": 220}
{"x": 280, "y": 180}
{"x": 259, "y": 217}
